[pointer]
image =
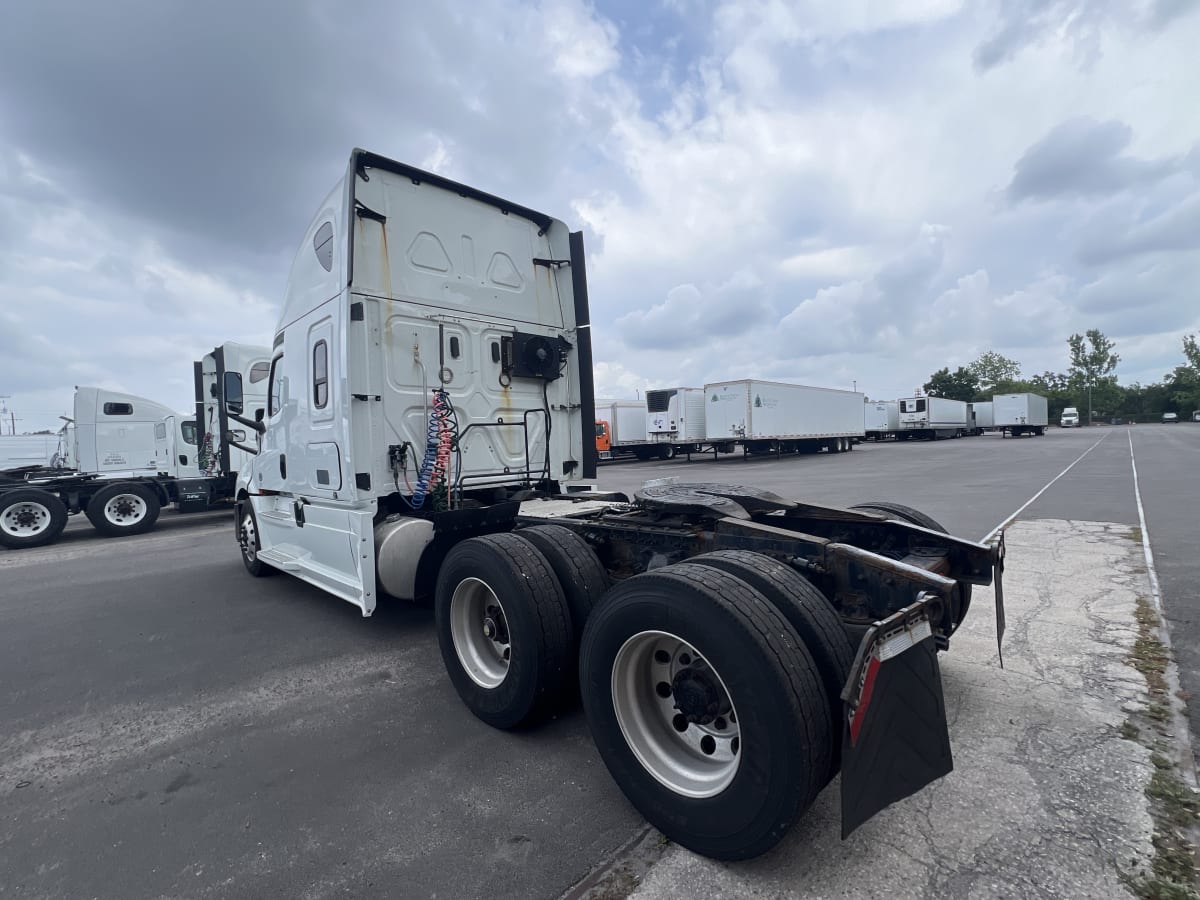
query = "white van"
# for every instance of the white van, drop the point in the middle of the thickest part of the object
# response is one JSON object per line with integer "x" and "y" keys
{"x": 1070, "y": 418}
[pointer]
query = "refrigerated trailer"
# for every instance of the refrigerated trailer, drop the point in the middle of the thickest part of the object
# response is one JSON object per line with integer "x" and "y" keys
{"x": 675, "y": 420}
{"x": 932, "y": 418}
{"x": 734, "y": 650}
{"x": 1018, "y": 414}
{"x": 881, "y": 419}
{"x": 772, "y": 416}
{"x": 134, "y": 456}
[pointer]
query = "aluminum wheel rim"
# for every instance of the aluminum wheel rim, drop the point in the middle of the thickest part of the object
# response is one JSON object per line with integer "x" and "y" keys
{"x": 125, "y": 510}
{"x": 249, "y": 537}
{"x": 692, "y": 758}
{"x": 25, "y": 519}
{"x": 479, "y": 629}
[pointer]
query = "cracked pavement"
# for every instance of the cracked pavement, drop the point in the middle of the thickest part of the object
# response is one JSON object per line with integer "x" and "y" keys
{"x": 1046, "y": 799}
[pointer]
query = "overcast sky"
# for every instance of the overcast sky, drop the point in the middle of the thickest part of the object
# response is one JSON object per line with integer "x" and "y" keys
{"x": 831, "y": 193}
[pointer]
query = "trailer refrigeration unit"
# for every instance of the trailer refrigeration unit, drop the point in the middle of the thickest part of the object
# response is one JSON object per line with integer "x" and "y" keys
{"x": 982, "y": 417}
{"x": 431, "y": 397}
{"x": 621, "y": 429}
{"x": 1019, "y": 414}
{"x": 770, "y": 416}
{"x": 675, "y": 420}
{"x": 931, "y": 418}
{"x": 134, "y": 456}
{"x": 881, "y": 419}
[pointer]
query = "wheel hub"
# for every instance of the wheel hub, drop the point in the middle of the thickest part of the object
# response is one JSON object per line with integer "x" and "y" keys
{"x": 697, "y": 697}
{"x": 25, "y": 519}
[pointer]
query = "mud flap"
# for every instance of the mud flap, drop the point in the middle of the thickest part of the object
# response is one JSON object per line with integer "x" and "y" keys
{"x": 895, "y": 737}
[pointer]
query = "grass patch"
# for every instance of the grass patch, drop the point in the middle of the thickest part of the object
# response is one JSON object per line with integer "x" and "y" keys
{"x": 1135, "y": 534}
{"x": 1173, "y": 806}
{"x": 1178, "y": 800}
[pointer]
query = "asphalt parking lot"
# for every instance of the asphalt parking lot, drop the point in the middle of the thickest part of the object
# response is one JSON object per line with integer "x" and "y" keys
{"x": 171, "y": 727}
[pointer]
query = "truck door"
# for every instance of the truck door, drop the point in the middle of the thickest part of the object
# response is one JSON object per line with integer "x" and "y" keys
{"x": 164, "y": 446}
{"x": 322, "y": 470}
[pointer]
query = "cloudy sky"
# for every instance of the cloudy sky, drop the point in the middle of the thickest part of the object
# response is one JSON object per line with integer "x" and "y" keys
{"x": 832, "y": 193}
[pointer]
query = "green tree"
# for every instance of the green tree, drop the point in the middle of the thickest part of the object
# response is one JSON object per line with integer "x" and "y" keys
{"x": 992, "y": 369}
{"x": 1191, "y": 352}
{"x": 1056, "y": 388}
{"x": 960, "y": 384}
{"x": 1091, "y": 372}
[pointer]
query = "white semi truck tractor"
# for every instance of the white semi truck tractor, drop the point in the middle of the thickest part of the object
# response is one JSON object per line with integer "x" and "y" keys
{"x": 133, "y": 456}
{"x": 430, "y": 403}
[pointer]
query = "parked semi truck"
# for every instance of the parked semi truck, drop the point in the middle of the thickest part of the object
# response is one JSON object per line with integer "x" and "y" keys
{"x": 621, "y": 429}
{"x": 932, "y": 418}
{"x": 881, "y": 419}
{"x": 1019, "y": 414}
{"x": 134, "y": 456}
{"x": 734, "y": 649}
{"x": 771, "y": 416}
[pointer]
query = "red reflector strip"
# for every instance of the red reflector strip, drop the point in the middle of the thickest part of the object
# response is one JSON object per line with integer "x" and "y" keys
{"x": 864, "y": 700}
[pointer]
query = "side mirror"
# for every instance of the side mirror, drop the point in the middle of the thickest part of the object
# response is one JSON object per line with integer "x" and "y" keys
{"x": 233, "y": 393}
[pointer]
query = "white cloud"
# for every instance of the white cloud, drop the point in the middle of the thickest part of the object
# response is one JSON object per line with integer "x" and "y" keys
{"x": 755, "y": 178}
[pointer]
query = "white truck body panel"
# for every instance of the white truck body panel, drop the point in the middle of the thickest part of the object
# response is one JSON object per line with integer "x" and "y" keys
{"x": 767, "y": 410}
{"x": 118, "y": 433}
{"x": 984, "y": 414}
{"x": 675, "y": 415}
{"x": 1019, "y": 409}
{"x": 405, "y": 283}
{"x": 932, "y": 413}
{"x": 626, "y": 421}
{"x": 19, "y": 450}
{"x": 881, "y": 416}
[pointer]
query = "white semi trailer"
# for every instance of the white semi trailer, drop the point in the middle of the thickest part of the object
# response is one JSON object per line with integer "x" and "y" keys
{"x": 675, "y": 420}
{"x": 881, "y": 419}
{"x": 134, "y": 456}
{"x": 771, "y": 416}
{"x": 982, "y": 417}
{"x": 1019, "y": 414}
{"x": 932, "y": 418}
{"x": 430, "y": 399}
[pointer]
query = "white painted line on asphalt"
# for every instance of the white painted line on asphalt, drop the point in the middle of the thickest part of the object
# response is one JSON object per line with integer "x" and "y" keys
{"x": 1155, "y": 593}
{"x": 991, "y": 534}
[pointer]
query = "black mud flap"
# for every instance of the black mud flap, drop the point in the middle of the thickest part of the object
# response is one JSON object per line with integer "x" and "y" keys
{"x": 895, "y": 737}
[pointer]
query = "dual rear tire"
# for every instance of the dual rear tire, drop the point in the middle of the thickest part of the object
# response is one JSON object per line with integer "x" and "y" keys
{"x": 711, "y": 687}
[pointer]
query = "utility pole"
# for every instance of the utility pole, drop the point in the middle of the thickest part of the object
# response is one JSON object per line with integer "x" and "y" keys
{"x": 1089, "y": 403}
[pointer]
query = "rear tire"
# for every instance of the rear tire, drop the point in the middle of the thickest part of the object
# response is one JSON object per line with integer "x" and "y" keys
{"x": 122, "y": 509}
{"x": 30, "y": 518}
{"x": 706, "y": 707}
{"x": 916, "y": 517}
{"x": 575, "y": 564}
{"x": 504, "y": 629}
{"x": 806, "y": 610}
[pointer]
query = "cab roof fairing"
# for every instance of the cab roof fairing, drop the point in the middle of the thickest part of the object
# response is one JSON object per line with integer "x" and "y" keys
{"x": 310, "y": 285}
